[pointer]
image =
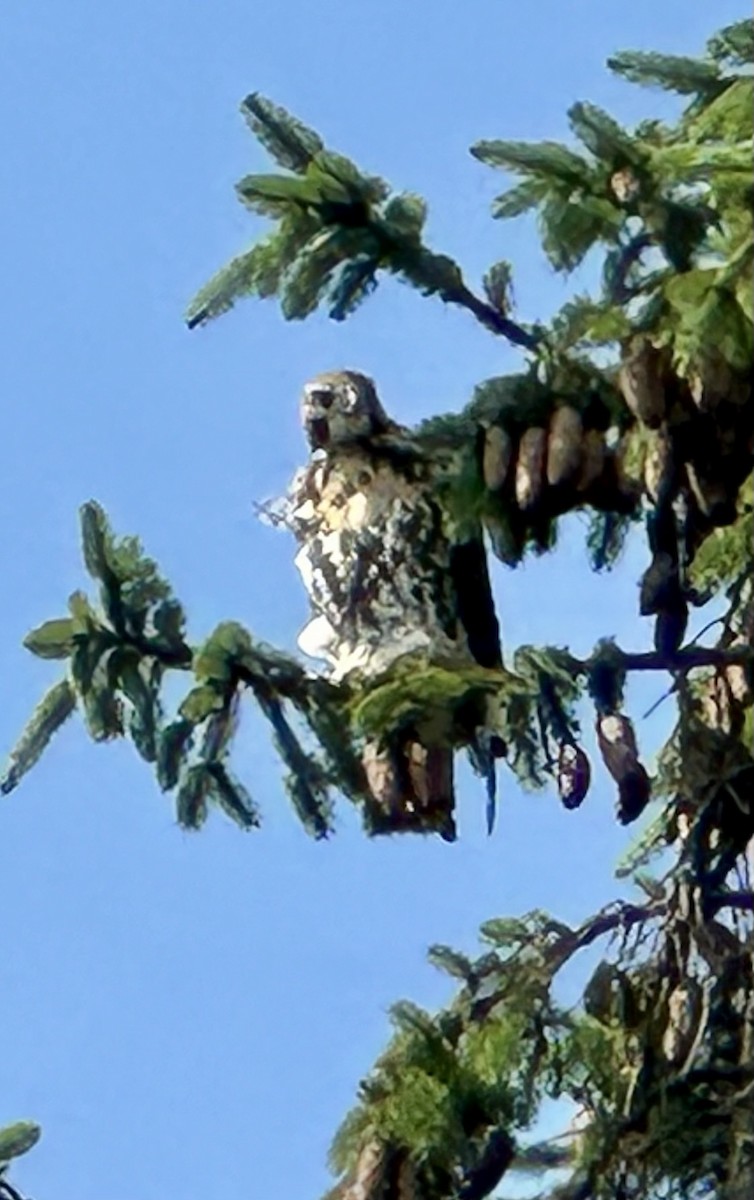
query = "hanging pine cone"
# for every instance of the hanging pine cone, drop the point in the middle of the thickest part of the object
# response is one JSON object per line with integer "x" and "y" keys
{"x": 659, "y": 467}
{"x": 739, "y": 678}
{"x": 430, "y": 772}
{"x": 506, "y": 540}
{"x": 634, "y": 795}
{"x": 602, "y": 992}
{"x": 593, "y": 454}
{"x": 711, "y": 383}
{"x": 411, "y": 788}
{"x": 530, "y": 467}
{"x": 617, "y": 744}
{"x": 564, "y": 452}
{"x": 641, "y": 381}
{"x": 625, "y": 185}
{"x": 497, "y": 457}
{"x": 626, "y": 483}
{"x": 684, "y": 1011}
{"x": 381, "y": 771}
{"x": 727, "y": 694}
{"x": 573, "y": 775}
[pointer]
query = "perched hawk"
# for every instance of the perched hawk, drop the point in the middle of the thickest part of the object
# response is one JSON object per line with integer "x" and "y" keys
{"x": 391, "y": 579}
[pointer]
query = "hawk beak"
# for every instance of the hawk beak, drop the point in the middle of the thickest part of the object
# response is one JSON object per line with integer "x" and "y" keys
{"x": 318, "y": 432}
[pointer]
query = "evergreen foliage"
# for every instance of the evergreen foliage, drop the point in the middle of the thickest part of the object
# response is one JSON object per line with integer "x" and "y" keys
{"x": 15, "y": 1140}
{"x": 655, "y": 430}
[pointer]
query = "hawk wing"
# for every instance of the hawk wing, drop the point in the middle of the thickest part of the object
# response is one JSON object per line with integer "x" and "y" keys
{"x": 475, "y": 605}
{"x": 476, "y": 613}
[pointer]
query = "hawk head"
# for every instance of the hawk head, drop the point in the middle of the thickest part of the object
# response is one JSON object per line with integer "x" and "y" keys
{"x": 339, "y": 407}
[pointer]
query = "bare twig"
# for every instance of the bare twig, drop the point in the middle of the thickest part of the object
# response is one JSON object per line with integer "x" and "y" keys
{"x": 684, "y": 660}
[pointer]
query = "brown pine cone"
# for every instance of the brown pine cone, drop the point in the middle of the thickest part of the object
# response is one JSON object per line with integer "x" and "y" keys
{"x": 641, "y": 381}
{"x": 593, "y": 455}
{"x": 497, "y": 457}
{"x": 530, "y": 467}
{"x": 659, "y": 468}
{"x": 564, "y": 453}
{"x": 573, "y": 775}
{"x": 617, "y": 744}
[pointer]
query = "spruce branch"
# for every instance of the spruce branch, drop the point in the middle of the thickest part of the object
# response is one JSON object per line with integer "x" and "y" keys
{"x": 138, "y": 635}
{"x": 682, "y": 661}
{"x": 620, "y": 915}
{"x": 491, "y": 318}
{"x": 336, "y": 230}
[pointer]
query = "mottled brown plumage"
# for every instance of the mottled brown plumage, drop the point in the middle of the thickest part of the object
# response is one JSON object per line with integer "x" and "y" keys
{"x": 390, "y": 579}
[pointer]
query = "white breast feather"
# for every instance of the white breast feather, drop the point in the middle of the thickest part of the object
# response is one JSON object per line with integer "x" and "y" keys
{"x": 375, "y": 565}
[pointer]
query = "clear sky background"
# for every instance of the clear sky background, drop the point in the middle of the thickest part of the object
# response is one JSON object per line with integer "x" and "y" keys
{"x": 189, "y": 1015}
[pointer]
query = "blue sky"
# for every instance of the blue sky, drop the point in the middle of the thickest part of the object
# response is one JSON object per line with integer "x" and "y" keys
{"x": 189, "y": 1015}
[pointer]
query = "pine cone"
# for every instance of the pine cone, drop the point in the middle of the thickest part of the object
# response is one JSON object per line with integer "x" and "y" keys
{"x": 382, "y": 776}
{"x": 574, "y": 775}
{"x": 724, "y": 698}
{"x": 634, "y": 795}
{"x": 530, "y": 467}
{"x": 507, "y": 543}
{"x": 711, "y": 383}
{"x": 497, "y": 457}
{"x": 659, "y": 467}
{"x": 601, "y": 992}
{"x": 684, "y": 1009}
{"x": 625, "y": 185}
{"x": 430, "y": 771}
{"x": 617, "y": 744}
{"x": 641, "y": 381}
{"x": 593, "y": 452}
{"x": 564, "y": 453}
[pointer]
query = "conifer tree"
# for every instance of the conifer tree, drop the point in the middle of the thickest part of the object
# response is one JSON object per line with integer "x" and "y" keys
{"x": 633, "y": 405}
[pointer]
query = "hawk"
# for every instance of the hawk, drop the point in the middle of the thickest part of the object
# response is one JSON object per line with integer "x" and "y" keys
{"x": 393, "y": 579}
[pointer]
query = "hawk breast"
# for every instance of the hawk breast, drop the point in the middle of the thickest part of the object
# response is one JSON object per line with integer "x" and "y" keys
{"x": 376, "y": 563}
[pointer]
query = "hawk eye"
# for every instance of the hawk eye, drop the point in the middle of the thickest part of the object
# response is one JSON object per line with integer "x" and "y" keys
{"x": 323, "y": 398}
